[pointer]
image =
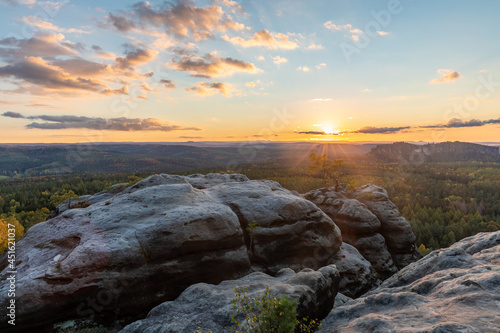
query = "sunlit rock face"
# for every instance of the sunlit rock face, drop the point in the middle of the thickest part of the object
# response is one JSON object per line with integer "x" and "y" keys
{"x": 456, "y": 289}
{"x": 134, "y": 249}
{"x": 371, "y": 223}
{"x": 209, "y": 307}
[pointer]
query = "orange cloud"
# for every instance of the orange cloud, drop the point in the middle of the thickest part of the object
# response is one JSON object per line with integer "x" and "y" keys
{"x": 183, "y": 19}
{"x": 207, "y": 89}
{"x": 211, "y": 66}
{"x": 447, "y": 75}
{"x": 266, "y": 39}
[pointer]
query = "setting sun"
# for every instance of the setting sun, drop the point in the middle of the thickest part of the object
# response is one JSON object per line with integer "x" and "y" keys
{"x": 327, "y": 129}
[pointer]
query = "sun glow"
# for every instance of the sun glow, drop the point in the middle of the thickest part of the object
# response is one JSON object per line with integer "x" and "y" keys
{"x": 328, "y": 129}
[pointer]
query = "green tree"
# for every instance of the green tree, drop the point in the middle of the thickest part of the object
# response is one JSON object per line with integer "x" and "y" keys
{"x": 321, "y": 166}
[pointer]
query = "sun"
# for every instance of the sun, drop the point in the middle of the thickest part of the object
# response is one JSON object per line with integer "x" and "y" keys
{"x": 328, "y": 129}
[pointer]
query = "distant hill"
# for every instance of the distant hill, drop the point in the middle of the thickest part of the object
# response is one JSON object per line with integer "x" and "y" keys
{"x": 435, "y": 152}
{"x": 40, "y": 160}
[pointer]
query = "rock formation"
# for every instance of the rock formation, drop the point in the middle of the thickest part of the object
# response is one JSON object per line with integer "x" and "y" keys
{"x": 132, "y": 250}
{"x": 456, "y": 289}
{"x": 371, "y": 223}
{"x": 208, "y": 307}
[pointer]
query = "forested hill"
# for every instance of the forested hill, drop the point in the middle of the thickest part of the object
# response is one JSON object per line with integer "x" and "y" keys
{"x": 435, "y": 152}
{"x": 33, "y": 161}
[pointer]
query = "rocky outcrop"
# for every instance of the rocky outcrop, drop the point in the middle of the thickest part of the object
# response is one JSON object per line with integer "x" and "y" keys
{"x": 397, "y": 232}
{"x": 450, "y": 290}
{"x": 208, "y": 307}
{"x": 371, "y": 223}
{"x": 129, "y": 251}
{"x": 356, "y": 273}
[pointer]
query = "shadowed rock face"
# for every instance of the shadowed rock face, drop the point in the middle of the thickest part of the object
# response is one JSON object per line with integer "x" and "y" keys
{"x": 397, "y": 232}
{"x": 209, "y": 307}
{"x": 450, "y": 290}
{"x": 371, "y": 223}
{"x": 132, "y": 250}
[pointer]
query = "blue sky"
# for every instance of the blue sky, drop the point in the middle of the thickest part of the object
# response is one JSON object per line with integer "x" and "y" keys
{"x": 226, "y": 70}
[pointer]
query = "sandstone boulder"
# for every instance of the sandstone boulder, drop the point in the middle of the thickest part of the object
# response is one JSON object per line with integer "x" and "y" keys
{"x": 456, "y": 289}
{"x": 129, "y": 251}
{"x": 206, "y": 307}
{"x": 397, "y": 232}
{"x": 360, "y": 227}
{"x": 357, "y": 275}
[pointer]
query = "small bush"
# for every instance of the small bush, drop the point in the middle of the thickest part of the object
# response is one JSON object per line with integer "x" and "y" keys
{"x": 81, "y": 204}
{"x": 267, "y": 313}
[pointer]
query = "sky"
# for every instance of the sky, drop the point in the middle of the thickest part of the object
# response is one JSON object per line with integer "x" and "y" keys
{"x": 224, "y": 70}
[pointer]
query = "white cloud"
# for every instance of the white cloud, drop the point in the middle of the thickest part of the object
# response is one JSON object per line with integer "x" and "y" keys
{"x": 314, "y": 46}
{"x": 303, "y": 68}
{"x": 279, "y": 60}
{"x": 331, "y": 26}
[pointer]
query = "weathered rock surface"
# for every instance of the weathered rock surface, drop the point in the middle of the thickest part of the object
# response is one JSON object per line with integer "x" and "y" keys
{"x": 450, "y": 290}
{"x": 356, "y": 273}
{"x": 209, "y": 307}
{"x": 128, "y": 252}
{"x": 371, "y": 223}
{"x": 397, "y": 232}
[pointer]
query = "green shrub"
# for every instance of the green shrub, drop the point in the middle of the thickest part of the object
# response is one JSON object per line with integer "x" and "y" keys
{"x": 267, "y": 313}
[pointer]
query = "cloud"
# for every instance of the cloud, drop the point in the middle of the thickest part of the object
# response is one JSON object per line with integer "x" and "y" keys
{"x": 107, "y": 124}
{"x": 354, "y": 33}
{"x": 37, "y": 71}
{"x": 279, "y": 60}
{"x": 320, "y": 66}
{"x": 207, "y": 89}
{"x": 121, "y": 23}
{"x": 303, "y": 68}
{"x": 312, "y": 132}
{"x": 321, "y": 99}
{"x": 380, "y": 130}
{"x": 250, "y": 84}
{"x": 38, "y": 23}
{"x": 40, "y": 45}
{"x": 334, "y": 27}
{"x": 313, "y": 46}
{"x": 12, "y": 114}
{"x": 135, "y": 57}
{"x": 233, "y": 4}
{"x": 266, "y": 39}
{"x": 447, "y": 75}
{"x": 366, "y": 90}
{"x": 102, "y": 54}
{"x": 190, "y": 137}
{"x": 182, "y": 19}
{"x": 48, "y": 64}
{"x": 261, "y": 58}
{"x": 212, "y": 66}
{"x": 457, "y": 123}
{"x": 168, "y": 84}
